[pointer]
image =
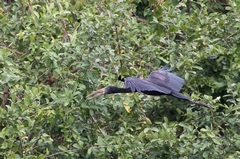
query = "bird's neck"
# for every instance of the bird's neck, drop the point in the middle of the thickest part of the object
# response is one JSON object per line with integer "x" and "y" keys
{"x": 112, "y": 90}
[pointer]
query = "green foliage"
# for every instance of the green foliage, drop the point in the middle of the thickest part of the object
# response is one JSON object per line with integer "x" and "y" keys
{"x": 54, "y": 53}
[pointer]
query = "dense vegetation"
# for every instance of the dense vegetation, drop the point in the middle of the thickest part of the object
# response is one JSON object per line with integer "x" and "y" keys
{"x": 53, "y": 53}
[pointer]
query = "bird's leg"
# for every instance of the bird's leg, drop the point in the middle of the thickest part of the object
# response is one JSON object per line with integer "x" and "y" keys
{"x": 120, "y": 78}
{"x": 96, "y": 94}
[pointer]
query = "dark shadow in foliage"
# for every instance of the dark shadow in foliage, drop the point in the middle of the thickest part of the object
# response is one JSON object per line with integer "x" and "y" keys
{"x": 214, "y": 67}
{"x": 212, "y": 5}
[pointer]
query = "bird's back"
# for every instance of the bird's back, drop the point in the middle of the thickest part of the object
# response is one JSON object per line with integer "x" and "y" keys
{"x": 140, "y": 85}
{"x": 166, "y": 79}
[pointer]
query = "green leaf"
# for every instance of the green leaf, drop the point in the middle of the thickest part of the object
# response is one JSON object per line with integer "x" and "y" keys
{"x": 100, "y": 141}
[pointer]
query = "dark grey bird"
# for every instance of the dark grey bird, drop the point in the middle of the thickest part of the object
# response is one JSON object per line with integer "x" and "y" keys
{"x": 161, "y": 82}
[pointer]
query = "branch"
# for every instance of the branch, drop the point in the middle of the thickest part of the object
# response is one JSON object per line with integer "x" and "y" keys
{"x": 58, "y": 153}
{"x": 98, "y": 126}
{"x": 15, "y": 51}
{"x": 142, "y": 20}
{"x": 5, "y": 96}
{"x": 65, "y": 36}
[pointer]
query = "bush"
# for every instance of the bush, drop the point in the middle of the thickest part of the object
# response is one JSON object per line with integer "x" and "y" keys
{"x": 53, "y": 54}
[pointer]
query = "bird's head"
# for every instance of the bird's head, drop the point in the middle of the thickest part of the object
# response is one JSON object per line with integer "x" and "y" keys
{"x": 120, "y": 78}
{"x": 96, "y": 93}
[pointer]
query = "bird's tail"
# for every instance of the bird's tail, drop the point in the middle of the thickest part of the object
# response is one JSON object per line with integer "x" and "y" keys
{"x": 182, "y": 96}
{"x": 200, "y": 103}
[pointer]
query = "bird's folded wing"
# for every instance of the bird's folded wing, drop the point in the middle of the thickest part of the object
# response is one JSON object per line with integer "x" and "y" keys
{"x": 166, "y": 79}
{"x": 139, "y": 85}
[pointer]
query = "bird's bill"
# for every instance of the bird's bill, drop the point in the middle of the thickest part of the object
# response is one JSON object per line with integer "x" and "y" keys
{"x": 96, "y": 94}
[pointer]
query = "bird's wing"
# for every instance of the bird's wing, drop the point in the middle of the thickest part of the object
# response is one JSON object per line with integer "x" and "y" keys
{"x": 139, "y": 85}
{"x": 166, "y": 79}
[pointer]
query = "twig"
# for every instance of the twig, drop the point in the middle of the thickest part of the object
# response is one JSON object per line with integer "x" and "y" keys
{"x": 142, "y": 20}
{"x": 74, "y": 70}
{"x": 77, "y": 27}
{"x": 65, "y": 36}
{"x": 5, "y": 96}
{"x": 51, "y": 79}
{"x": 98, "y": 126}
{"x": 118, "y": 45}
{"x": 231, "y": 35}
{"x": 58, "y": 153}
{"x": 15, "y": 51}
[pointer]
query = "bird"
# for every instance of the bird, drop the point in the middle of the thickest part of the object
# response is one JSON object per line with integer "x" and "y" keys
{"x": 160, "y": 82}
